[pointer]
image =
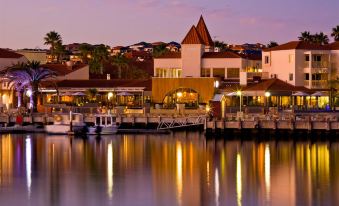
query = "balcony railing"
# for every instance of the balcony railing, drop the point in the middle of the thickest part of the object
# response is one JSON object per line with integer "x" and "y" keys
{"x": 322, "y": 64}
{"x": 263, "y": 75}
{"x": 316, "y": 84}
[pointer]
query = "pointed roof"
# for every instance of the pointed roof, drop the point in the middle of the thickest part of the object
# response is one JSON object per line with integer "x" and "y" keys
{"x": 204, "y": 33}
{"x": 192, "y": 37}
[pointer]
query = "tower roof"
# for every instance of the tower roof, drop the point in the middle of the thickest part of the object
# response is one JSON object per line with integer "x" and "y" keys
{"x": 192, "y": 37}
{"x": 204, "y": 33}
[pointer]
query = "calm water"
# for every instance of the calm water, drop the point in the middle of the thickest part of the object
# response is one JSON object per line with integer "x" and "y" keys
{"x": 177, "y": 169}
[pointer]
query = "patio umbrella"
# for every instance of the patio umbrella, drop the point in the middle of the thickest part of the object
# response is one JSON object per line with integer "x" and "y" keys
{"x": 78, "y": 94}
{"x": 66, "y": 94}
{"x": 124, "y": 94}
{"x": 232, "y": 94}
{"x": 319, "y": 94}
{"x": 301, "y": 94}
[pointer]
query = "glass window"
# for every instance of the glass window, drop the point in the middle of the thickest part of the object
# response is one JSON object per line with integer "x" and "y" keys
{"x": 291, "y": 76}
{"x": 205, "y": 72}
{"x": 307, "y": 58}
{"x": 307, "y": 76}
{"x": 219, "y": 72}
{"x": 233, "y": 72}
{"x": 267, "y": 59}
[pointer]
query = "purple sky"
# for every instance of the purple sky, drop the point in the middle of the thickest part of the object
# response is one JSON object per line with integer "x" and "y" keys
{"x": 24, "y": 23}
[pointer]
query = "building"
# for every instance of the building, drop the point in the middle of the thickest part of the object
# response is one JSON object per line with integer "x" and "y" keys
{"x": 301, "y": 63}
{"x": 190, "y": 76}
{"x": 39, "y": 55}
{"x": 69, "y": 71}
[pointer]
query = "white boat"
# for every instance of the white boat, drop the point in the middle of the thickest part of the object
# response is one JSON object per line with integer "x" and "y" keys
{"x": 62, "y": 124}
{"x": 105, "y": 124}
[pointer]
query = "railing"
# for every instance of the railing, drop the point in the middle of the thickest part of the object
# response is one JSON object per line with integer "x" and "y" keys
{"x": 315, "y": 64}
{"x": 316, "y": 84}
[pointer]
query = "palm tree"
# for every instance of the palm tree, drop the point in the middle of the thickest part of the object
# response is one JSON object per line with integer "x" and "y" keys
{"x": 305, "y": 36}
{"x": 86, "y": 51}
{"x": 53, "y": 39}
{"x": 272, "y": 44}
{"x": 320, "y": 38}
{"x": 335, "y": 33}
{"x": 121, "y": 62}
{"x": 221, "y": 45}
{"x": 91, "y": 94}
{"x": 99, "y": 57}
{"x": 59, "y": 51}
{"x": 29, "y": 76}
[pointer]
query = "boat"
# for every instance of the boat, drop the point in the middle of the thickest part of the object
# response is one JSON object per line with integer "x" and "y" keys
{"x": 105, "y": 124}
{"x": 66, "y": 123}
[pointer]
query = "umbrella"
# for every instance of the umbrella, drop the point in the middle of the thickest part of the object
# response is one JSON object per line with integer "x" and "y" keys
{"x": 319, "y": 94}
{"x": 66, "y": 94}
{"x": 79, "y": 94}
{"x": 124, "y": 94}
{"x": 302, "y": 94}
{"x": 231, "y": 94}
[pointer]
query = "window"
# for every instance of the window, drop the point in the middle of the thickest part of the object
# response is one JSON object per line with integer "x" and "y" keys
{"x": 307, "y": 58}
{"x": 307, "y": 76}
{"x": 267, "y": 59}
{"x": 233, "y": 72}
{"x": 291, "y": 58}
{"x": 317, "y": 58}
{"x": 291, "y": 76}
{"x": 205, "y": 72}
{"x": 316, "y": 76}
{"x": 219, "y": 72}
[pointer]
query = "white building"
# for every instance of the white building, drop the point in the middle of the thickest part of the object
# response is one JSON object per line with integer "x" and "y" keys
{"x": 198, "y": 59}
{"x": 302, "y": 64}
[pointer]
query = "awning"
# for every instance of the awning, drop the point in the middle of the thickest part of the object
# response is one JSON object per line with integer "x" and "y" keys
{"x": 319, "y": 94}
{"x": 301, "y": 94}
{"x": 125, "y": 94}
{"x": 78, "y": 94}
{"x": 217, "y": 98}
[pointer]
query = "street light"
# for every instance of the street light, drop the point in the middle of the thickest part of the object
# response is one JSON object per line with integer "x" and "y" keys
{"x": 239, "y": 93}
{"x": 267, "y": 95}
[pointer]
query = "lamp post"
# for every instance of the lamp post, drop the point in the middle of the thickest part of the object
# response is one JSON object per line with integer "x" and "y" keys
{"x": 239, "y": 93}
{"x": 267, "y": 95}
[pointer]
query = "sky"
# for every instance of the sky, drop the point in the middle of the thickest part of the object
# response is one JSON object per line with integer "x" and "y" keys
{"x": 24, "y": 23}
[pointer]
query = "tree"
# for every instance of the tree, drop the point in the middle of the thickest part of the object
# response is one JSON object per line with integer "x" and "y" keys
{"x": 86, "y": 51}
{"x": 305, "y": 36}
{"x": 121, "y": 62}
{"x": 99, "y": 56}
{"x": 59, "y": 51}
{"x": 335, "y": 33}
{"x": 221, "y": 45}
{"x": 134, "y": 72}
{"x": 53, "y": 39}
{"x": 92, "y": 94}
{"x": 317, "y": 38}
{"x": 160, "y": 50}
{"x": 29, "y": 76}
{"x": 272, "y": 44}
{"x": 320, "y": 38}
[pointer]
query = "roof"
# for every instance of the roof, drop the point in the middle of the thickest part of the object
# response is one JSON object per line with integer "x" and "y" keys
{"x": 217, "y": 98}
{"x": 274, "y": 85}
{"x": 302, "y": 45}
{"x": 62, "y": 69}
{"x": 335, "y": 45}
{"x": 204, "y": 33}
{"x": 170, "y": 55}
{"x": 192, "y": 37}
{"x": 226, "y": 54}
{"x": 4, "y": 53}
{"x": 100, "y": 83}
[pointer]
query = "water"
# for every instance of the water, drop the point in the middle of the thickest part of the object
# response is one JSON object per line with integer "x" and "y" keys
{"x": 177, "y": 169}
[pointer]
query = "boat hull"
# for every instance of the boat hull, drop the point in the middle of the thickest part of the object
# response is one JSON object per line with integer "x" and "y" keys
{"x": 61, "y": 128}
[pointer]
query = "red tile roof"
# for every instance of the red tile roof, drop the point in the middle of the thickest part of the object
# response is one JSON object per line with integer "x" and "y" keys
{"x": 98, "y": 83}
{"x": 274, "y": 85}
{"x": 62, "y": 69}
{"x": 170, "y": 55}
{"x": 204, "y": 33}
{"x": 4, "y": 53}
{"x": 302, "y": 45}
{"x": 192, "y": 37}
{"x": 335, "y": 45}
{"x": 226, "y": 54}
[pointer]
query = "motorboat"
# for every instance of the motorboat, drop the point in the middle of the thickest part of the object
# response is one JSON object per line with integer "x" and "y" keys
{"x": 105, "y": 124}
{"x": 66, "y": 123}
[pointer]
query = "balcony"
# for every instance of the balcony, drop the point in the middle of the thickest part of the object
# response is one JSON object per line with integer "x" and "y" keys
{"x": 263, "y": 75}
{"x": 316, "y": 64}
{"x": 316, "y": 84}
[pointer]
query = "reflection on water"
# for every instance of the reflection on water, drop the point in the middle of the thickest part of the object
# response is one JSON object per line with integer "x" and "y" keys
{"x": 177, "y": 169}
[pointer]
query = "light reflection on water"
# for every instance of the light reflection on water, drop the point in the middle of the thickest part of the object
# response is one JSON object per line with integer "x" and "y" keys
{"x": 179, "y": 169}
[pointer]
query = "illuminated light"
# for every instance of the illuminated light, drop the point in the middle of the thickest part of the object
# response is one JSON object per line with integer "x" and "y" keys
{"x": 179, "y": 94}
{"x": 239, "y": 93}
{"x": 110, "y": 170}
{"x": 216, "y": 84}
{"x": 179, "y": 172}
{"x": 216, "y": 184}
{"x": 238, "y": 180}
{"x": 110, "y": 95}
{"x": 267, "y": 171}
{"x": 208, "y": 108}
{"x": 267, "y": 94}
{"x": 29, "y": 93}
{"x": 29, "y": 165}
